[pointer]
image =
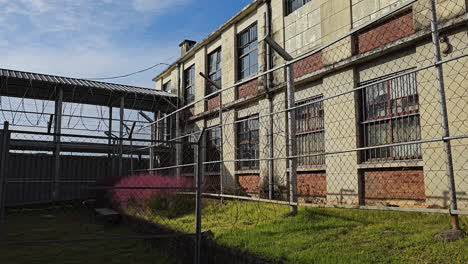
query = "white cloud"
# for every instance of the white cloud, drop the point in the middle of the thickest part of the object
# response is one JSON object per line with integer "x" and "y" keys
{"x": 73, "y": 38}
{"x": 37, "y": 5}
{"x": 66, "y": 15}
{"x": 75, "y": 61}
{"x": 158, "y": 5}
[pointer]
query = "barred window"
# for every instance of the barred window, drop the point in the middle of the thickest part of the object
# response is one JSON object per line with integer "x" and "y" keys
{"x": 248, "y": 54}
{"x": 167, "y": 125}
{"x": 188, "y": 153}
{"x": 189, "y": 85}
{"x": 213, "y": 148}
{"x": 293, "y": 5}
{"x": 390, "y": 116}
{"x": 310, "y": 135}
{"x": 214, "y": 70}
{"x": 167, "y": 87}
{"x": 247, "y": 143}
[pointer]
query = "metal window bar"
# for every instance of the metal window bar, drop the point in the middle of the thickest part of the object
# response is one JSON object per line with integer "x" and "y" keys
{"x": 387, "y": 105}
{"x": 310, "y": 137}
{"x": 248, "y": 143}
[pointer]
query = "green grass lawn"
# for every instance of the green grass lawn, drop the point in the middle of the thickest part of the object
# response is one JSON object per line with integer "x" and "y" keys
{"x": 55, "y": 224}
{"x": 325, "y": 235}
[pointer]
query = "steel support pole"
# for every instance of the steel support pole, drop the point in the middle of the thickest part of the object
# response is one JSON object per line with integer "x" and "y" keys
{"x": 121, "y": 131}
{"x": 292, "y": 140}
{"x": 110, "y": 153}
{"x": 271, "y": 162}
{"x": 131, "y": 156}
{"x": 268, "y": 59}
{"x": 57, "y": 141}
{"x": 153, "y": 137}
{"x": 178, "y": 147}
{"x": 4, "y": 151}
{"x": 221, "y": 147}
{"x": 109, "y": 141}
{"x": 292, "y": 147}
{"x": 444, "y": 118}
{"x": 198, "y": 194}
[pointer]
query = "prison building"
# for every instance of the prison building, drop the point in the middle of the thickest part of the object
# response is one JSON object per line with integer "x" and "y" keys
{"x": 394, "y": 103}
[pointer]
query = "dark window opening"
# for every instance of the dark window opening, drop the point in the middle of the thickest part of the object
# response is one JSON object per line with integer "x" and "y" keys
{"x": 310, "y": 133}
{"x": 213, "y": 149}
{"x": 391, "y": 116}
{"x": 247, "y": 143}
{"x": 214, "y": 70}
{"x": 189, "y": 85}
{"x": 293, "y": 5}
{"x": 167, "y": 87}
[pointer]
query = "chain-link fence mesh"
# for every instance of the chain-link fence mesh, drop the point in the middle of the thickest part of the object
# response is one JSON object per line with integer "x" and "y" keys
{"x": 374, "y": 119}
{"x": 368, "y": 117}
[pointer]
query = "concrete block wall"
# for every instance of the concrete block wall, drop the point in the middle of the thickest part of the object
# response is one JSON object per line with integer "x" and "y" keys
{"x": 367, "y": 10}
{"x": 336, "y": 21}
{"x": 303, "y": 30}
{"x": 341, "y": 134}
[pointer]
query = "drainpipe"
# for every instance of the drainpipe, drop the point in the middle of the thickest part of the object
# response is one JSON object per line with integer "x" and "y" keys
{"x": 270, "y": 103}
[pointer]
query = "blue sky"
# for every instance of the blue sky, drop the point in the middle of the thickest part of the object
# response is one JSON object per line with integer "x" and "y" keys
{"x": 100, "y": 38}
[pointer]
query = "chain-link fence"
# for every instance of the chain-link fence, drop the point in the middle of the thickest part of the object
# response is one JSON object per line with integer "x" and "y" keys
{"x": 375, "y": 119}
{"x": 71, "y": 190}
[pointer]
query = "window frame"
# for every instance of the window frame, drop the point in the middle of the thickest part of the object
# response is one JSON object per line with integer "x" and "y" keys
{"x": 167, "y": 131}
{"x": 213, "y": 148}
{"x": 289, "y": 8}
{"x": 189, "y": 85}
{"x": 243, "y": 55}
{"x": 188, "y": 150}
{"x": 251, "y": 143}
{"x": 216, "y": 75}
{"x": 374, "y": 123}
{"x": 312, "y": 126}
{"x": 165, "y": 85}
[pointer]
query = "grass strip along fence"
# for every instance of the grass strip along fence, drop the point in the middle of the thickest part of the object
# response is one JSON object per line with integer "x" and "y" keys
{"x": 315, "y": 235}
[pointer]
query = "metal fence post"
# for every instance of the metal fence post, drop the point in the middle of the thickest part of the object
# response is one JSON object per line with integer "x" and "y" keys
{"x": 221, "y": 136}
{"x": 292, "y": 160}
{"x": 198, "y": 202}
{"x": 444, "y": 117}
{"x": 4, "y": 149}
{"x": 292, "y": 140}
{"x": 57, "y": 141}
{"x": 121, "y": 132}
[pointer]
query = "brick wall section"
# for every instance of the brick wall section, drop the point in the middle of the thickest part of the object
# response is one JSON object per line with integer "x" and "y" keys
{"x": 312, "y": 184}
{"x": 247, "y": 89}
{"x": 212, "y": 103}
{"x": 392, "y": 30}
{"x": 400, "y": 184}
{"x": 249, "y": 183}
{"x": 308, "y": 65}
